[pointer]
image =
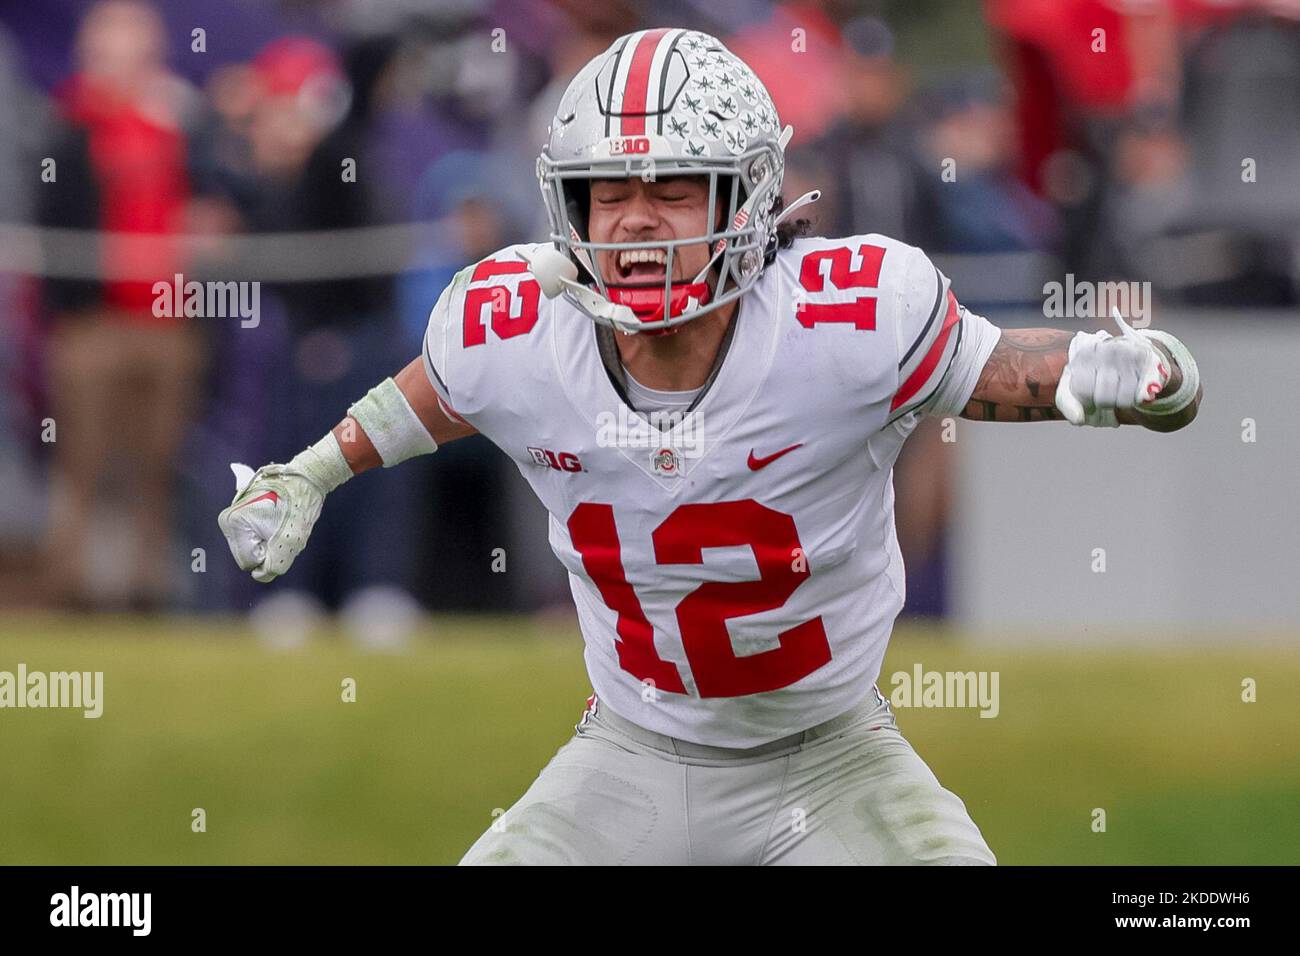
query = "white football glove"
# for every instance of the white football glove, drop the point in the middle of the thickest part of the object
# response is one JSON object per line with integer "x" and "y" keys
{"x": 275, "y": 508}
{"x": 1106, "y": 373}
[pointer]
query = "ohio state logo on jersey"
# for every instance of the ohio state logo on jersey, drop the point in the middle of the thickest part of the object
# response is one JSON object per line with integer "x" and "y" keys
{"x": 665, "y": 461}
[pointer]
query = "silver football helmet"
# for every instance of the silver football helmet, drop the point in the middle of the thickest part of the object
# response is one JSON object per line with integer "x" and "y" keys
{"x": 662, "y": 103}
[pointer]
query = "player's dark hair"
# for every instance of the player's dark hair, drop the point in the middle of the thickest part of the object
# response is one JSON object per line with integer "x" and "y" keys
{"x": 791, "y": 229}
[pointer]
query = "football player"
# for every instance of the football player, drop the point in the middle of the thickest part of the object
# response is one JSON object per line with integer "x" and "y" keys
{"x": 709, "y": 404}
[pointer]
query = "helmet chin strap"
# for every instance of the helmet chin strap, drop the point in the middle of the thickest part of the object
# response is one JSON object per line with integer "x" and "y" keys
{"x": 626, "y": 307}
{"x": 809, "y": 197}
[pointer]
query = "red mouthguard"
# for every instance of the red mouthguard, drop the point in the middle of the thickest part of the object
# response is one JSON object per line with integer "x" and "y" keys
{"x": 647, "y": 301}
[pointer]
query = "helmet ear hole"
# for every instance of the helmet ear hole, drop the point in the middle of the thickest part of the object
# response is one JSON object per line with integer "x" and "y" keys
{"x": 577, "y": 197}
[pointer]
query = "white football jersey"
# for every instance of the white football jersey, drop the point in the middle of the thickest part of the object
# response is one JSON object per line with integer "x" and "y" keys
{"x": 737, "y": 572}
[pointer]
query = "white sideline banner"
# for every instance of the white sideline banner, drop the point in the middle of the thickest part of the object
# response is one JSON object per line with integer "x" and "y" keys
{"x": 1064, "y": 528}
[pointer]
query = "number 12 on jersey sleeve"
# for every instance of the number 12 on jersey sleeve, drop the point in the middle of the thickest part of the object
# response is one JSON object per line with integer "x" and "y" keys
{"x": 859, "y": 311}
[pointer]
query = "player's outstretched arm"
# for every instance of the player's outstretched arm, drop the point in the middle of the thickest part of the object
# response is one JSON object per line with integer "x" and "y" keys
{"x": 413, "y": 382}
{"x": 275, "y": 508}
{"x": 1143, "y": 378}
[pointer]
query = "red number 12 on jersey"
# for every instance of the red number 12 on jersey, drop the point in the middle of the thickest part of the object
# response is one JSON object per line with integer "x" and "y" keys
{"x": 703, "y": 614}
{"x": 861, "y": 311}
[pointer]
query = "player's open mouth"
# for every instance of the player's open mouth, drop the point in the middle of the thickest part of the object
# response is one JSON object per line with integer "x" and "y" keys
{"x": 641, "y": 265}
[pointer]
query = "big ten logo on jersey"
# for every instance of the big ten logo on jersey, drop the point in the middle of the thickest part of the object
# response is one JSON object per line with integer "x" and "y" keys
{"x": 557, "y": 461}
{"x": 500, "y": 295}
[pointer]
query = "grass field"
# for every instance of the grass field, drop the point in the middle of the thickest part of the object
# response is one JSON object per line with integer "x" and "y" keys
{"x": 201, "y": 715}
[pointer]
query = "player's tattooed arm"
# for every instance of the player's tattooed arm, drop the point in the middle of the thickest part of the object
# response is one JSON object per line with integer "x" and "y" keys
{"x": 1018, "y": 383}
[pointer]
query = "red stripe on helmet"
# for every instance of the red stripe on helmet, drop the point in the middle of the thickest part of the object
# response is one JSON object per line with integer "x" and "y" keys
{"x": 638, "y": 82}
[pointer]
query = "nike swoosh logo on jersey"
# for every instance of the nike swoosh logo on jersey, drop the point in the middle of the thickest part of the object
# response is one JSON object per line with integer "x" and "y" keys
{"x": 757, "y": 463}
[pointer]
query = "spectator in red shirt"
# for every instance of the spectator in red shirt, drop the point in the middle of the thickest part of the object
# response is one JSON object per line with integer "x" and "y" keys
{"x": 122, "y": 378}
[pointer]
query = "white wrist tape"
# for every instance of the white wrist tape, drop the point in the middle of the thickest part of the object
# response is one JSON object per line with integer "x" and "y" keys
{"x": 322, "y": 464}
{"x": 391, "y": 424}
{"x": 1191, "y": 376}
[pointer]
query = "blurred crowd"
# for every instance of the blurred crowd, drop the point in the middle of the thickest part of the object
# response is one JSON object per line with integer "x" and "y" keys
{"x": 351, "y": 156}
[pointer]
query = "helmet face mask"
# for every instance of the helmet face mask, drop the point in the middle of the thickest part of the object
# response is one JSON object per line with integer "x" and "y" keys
{"x": 655, "y": 212}
{"x": 661, "y": 104}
